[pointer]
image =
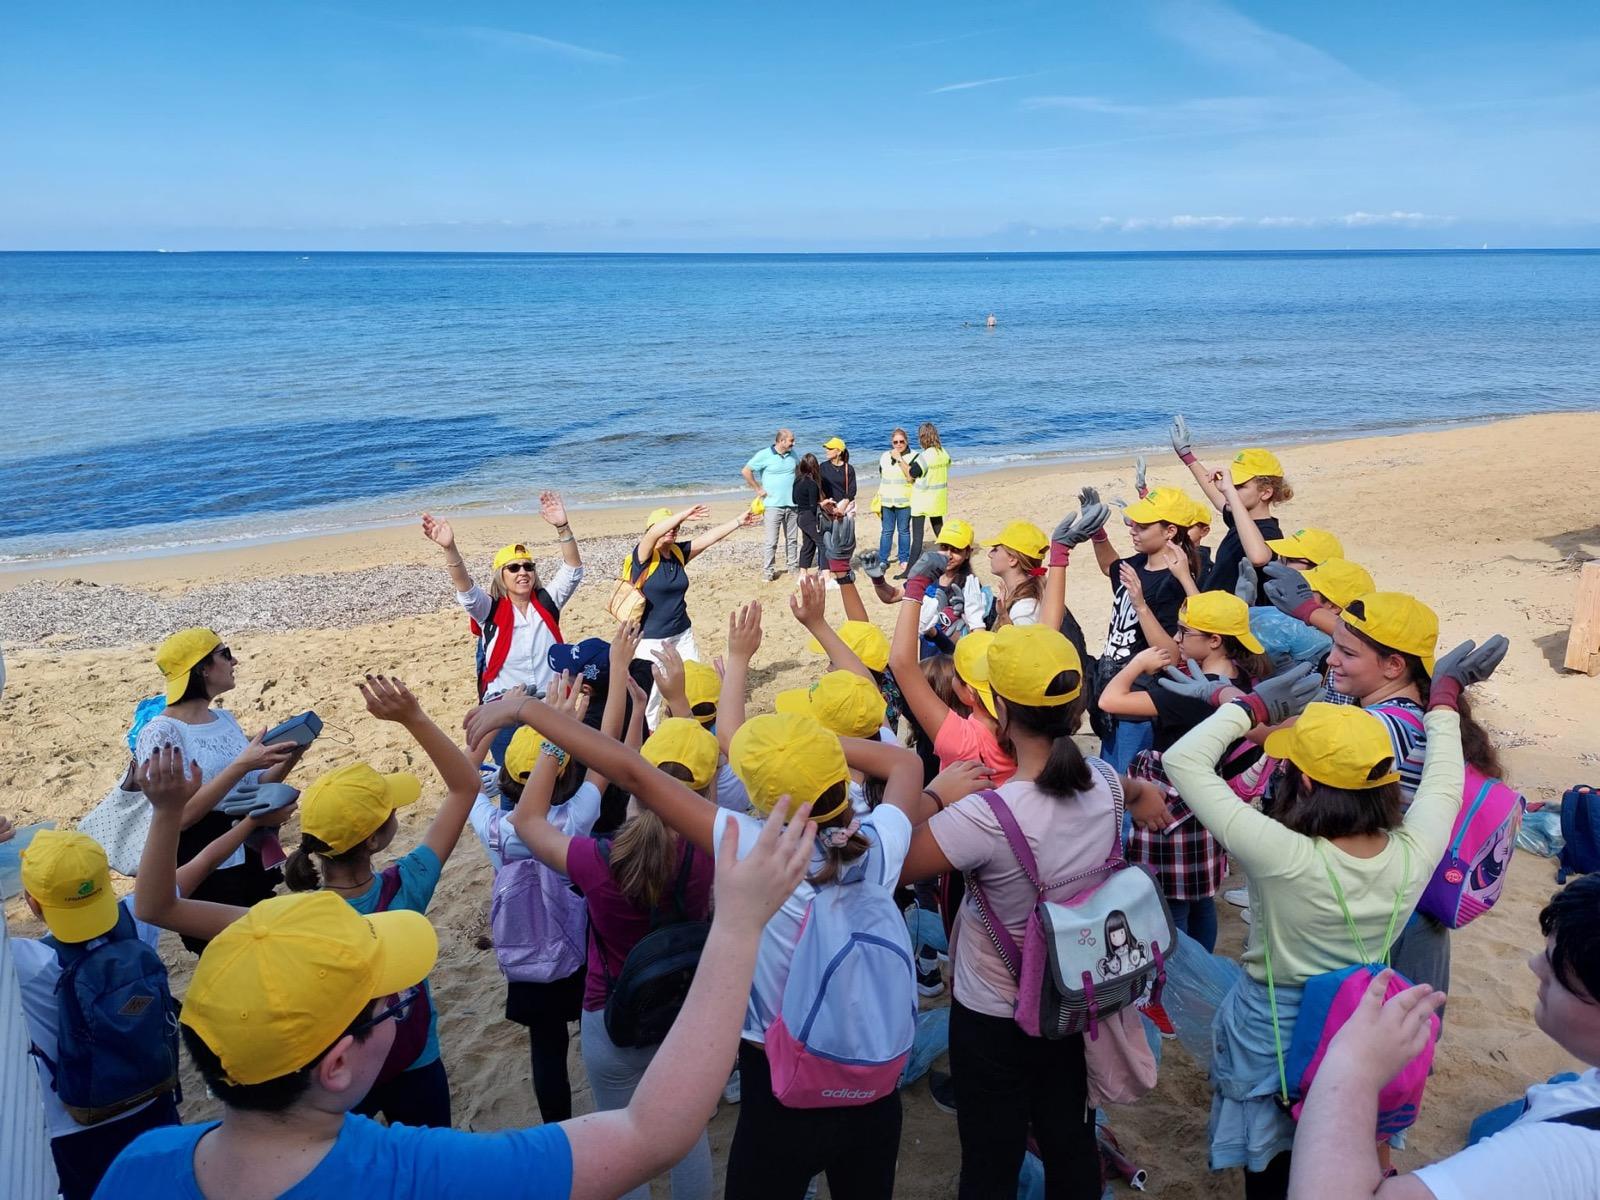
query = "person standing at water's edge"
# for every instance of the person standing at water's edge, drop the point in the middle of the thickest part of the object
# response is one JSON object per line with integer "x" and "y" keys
{"x": 894, "y": 498}
{"x": 771, "y": 473}
{"x": 930, "y": 483}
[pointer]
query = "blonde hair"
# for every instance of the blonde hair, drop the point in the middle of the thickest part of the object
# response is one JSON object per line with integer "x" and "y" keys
{"x": 1282, "y": 492}
{"x": 644, "y": 852}
{"x": 928, "y": 435}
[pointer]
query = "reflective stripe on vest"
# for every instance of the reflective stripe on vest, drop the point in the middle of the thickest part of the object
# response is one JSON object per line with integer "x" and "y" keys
{"x": 929, "y": 497}
{"x": 894, "y": 489}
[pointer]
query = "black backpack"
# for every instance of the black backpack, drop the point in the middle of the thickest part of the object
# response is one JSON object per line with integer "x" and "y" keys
{"x": 644, "y": 999}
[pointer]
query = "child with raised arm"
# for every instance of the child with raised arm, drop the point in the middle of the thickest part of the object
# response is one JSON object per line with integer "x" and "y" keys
{"x": 1255, "y": 479}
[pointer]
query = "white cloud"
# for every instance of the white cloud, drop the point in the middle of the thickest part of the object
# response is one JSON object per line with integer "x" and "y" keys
{"x": 977, "y": 83}
{"x": 1413, "y": 220}
{"x": 513, "y": 39}
{"x": 1190, "y": 222}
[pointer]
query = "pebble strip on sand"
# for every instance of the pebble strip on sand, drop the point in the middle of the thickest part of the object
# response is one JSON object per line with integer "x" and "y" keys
{"x": 76, "y": 614}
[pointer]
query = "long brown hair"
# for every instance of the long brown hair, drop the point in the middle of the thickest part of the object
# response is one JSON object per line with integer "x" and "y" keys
{"x": 928, "y": 436}
{"x": 300, "y": 873}
{"x": 1333, "y": 812}
{"x": 1250, "y": 665}
{"x": 644, "y": 852}
{"x": 1032, "y": 586}
{"x": 1066, "y": 772}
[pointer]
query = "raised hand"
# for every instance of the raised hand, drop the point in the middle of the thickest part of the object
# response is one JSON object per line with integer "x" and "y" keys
{"x": 1078, "y": 527}
{"x": 749, "y": 890}
{"x": 552, "y": 509}
{"x": 1182, "y": 442}
{"x": 1088, "y": 495}
{"x": 1284, "y": 695}
{"x": 166, "y": 780}
{"x": 697, "y": 513}
{"x": 1245, "y": 587}
{"x": 1132, "y": 585}
{"x": 668, "y": 671}
{"x": 749, "y": 519}
{"x": 1460, "y": 668}
{"x": 487, "y": 719}
{"x": 1288, "y": 591}
{"x": 931, "y": 565}
{"x": 1190, "y": 682}
{"x": 809, "y": 603}
{"x": 438, "y": 531}
{"x": 390, "y": 699}
{"x": 1176, "y": 562}
{"x": 566, "y": 695}
{"x": 744, "y": 631}
{"x": 1379, "y": 1038}
{"x": 871, "y": 564}
{"x": 624, "y": 647}
{"x": 1139, "y": 484}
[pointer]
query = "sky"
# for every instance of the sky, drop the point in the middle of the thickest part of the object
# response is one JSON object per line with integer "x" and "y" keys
{"x": 823, "y": 126}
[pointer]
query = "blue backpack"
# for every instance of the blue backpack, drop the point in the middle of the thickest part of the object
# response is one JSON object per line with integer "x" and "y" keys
{"x": 1580, "y": 827}
{"x": 116, "y": 1025}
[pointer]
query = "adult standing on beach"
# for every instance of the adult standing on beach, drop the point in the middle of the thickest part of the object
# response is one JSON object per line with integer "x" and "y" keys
{"x": 894, "y": 498}
{"x": 771, "y": 473}
{"x": 930, "y": 484}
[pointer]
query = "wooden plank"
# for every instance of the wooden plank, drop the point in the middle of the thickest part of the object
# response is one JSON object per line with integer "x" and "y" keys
{"x": 28, "y": 1171}
{"x": 1583, "y": 642}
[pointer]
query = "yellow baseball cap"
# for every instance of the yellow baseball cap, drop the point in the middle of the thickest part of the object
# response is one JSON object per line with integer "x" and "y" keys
{"x": 1396, "y": 620}
{"x": 1201, "y": 515}
{"x": 1221, "y": 613}
{"x": 849, "y": 704}
{"x": 1164, "y": 505}
{"x": 66, "y": 872}
{"x": 972, "y": 664}
{"x": 349, "y": 804}
{"x": 515, "y": 552}
{"x": 279, "y": 986}
{"x": 657, "y": 515}
{"x": 1025, "y": 659}
{"x": 865, "y": 639}
{"x": 1253, "y": 464}
{"x": 180, "y": 654}
{"x": 834, "y": 443}
{"x": 687, "y": 743}
{"x": 703, "y": 686}
{"x": 1339, "y": 581}
{"x": 956, "y": 534}
{"x": 785, "y": 754}
{"x": 1024, "y": 537}
{"x": 1315, "y": 545}
{"x": 1337, "y": 744}
{"x": 520, "y": 756}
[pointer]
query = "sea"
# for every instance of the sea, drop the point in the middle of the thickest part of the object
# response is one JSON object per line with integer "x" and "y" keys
{"x": 156, "y": 402}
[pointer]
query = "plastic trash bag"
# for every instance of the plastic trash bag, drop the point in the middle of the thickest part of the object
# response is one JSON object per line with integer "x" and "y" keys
{"x": 1541, "y": 832}
{"x": 932, "y": 1039}
{"x": 1287, "y": 640}
{"x": 1197, "y": 982}
{"x": 926, "y": 929}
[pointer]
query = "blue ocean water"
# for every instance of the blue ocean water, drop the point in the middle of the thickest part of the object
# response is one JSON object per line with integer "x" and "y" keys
{"x": 161, "y": 400}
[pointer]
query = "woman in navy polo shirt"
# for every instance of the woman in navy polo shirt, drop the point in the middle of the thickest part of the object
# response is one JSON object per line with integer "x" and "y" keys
{"x": 659, "y": 565}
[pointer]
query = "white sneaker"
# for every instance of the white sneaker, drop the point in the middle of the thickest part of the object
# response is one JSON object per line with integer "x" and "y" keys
{"x": 730, "y": 1091}
{"x": 1238, "y": 897}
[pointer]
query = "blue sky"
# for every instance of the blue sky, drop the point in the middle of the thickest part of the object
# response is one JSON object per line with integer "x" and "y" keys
{"x": 816, "y": 126}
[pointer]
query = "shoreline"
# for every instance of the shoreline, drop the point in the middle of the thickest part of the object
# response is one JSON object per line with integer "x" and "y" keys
{"x": 616, "y": 516}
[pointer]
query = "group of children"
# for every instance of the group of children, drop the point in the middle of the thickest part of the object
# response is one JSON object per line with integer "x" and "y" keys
{"x": 705, "y": 889}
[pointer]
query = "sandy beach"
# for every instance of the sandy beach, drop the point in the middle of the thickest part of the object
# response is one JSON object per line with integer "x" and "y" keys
{"x": 1485, "y": 523}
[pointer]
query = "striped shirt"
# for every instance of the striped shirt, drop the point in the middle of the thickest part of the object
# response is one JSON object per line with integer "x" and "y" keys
{"x": 1410, "y": 739}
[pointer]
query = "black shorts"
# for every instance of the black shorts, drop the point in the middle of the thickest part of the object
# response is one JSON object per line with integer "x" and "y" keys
{"x": 540, "y": 1003}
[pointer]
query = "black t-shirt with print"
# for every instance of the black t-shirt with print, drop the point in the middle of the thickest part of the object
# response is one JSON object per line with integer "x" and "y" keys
{"x": 1224, "y": 572}
{"x": 1176, "y": 715}
{"x": 1125, "y": 637}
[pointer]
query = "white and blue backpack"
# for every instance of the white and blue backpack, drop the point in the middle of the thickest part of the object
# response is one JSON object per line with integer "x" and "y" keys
{"x": 848, "y": 1014}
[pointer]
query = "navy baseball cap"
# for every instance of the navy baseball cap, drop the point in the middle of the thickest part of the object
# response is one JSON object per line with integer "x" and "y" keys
{"x": 590, "y": 658}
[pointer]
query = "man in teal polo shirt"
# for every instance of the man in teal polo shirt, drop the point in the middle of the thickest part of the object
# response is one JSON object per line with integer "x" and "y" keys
{"x": 771, "y": 474}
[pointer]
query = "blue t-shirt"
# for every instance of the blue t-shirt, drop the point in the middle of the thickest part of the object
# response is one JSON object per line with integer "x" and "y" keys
{"x": 419, "y": 875}
{"x": 775, "y": 473}
{"x": 369, "y": 1159}
{"x": 666, "y": 591}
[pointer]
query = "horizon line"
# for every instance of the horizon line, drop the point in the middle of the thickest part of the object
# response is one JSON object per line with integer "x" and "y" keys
{"x": 1485, "y": 249}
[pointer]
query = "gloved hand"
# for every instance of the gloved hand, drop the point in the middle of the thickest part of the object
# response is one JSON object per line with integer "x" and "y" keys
{"x": 1289, "y": 592}
{"x": 257, "y": 799}
{"x": 1191, "y": 682}
{"x": 1181, "y": 441}
{"x": 1076, "y": 528}
{"x": 1138, "y": 477}
{"x": 924, "y": 571}
{"x": 1245, "y": 588}
{"x": 1282, "y": 696}
{"x": 1464, "y": 666}
{"x": 839, "y": 543}
{"x": 1088, "y": 496}
{"x": 871, "y": 564}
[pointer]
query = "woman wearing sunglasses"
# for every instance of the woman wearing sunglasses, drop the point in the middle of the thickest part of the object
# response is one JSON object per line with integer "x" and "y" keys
{"x": 198, "y": 668}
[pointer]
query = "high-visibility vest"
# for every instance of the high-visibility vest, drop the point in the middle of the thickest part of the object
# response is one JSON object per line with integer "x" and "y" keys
{"x": 894, "y": 489}
{"x": 930, "y": 495}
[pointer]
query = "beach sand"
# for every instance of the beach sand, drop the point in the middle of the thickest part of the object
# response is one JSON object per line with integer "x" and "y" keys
{"x": 1485, "y": 523}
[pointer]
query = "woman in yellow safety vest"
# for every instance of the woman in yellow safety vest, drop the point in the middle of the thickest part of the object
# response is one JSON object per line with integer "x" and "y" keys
{"x": 894, "y": 497}
{"x": 930, "y": 483}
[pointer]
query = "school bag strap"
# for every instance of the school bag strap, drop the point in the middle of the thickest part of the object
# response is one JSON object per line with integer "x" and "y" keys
{"x": 388, "y": 886}
{"x": 680, "y": 902}
{"x": 1584, "y": 1118}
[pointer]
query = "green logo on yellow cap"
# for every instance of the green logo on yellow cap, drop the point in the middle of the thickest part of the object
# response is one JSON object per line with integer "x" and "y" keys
{"x": 86, "y": 888}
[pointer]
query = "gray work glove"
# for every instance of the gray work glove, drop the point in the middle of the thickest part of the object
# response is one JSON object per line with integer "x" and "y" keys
{"x": 1182, "y": 442}
{"x": 257, "y": 799}
{"x": 1139, "y": 484}
{"x": 871, "y": 564}
{"x": 1245, "y": 588}
{"x": 1289, "y": 592}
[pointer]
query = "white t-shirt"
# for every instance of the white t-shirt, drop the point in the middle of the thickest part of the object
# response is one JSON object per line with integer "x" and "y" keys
{"x": 575, "y": 818}
{"x": 37, "y": 972}
{"x": 1024, "y": 611}
{"x": 213, "y": 745}
{"x": 976, "y": 606}
{"x": 731, "y": 792}
{"x": 528, "y": 660}
{"x": 782, "y": 933}
{"x": 1534, "y": 1159}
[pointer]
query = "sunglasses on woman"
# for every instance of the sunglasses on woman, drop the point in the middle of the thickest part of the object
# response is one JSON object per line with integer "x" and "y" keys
{"x": 517, "y": 568}
{"x": 400, "y": 1004}
{"x": 224, "y": 652}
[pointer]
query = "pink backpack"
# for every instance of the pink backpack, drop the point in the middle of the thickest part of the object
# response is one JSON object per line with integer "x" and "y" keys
{"x": 1472, "y": 873}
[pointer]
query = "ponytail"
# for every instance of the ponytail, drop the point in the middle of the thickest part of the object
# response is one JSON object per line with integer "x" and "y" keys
{"x": 834, "y": 858}
{"x": 644, "y": 852}
{"x": 1251, "y": 666}
{"x": 1066, "y": 772}
{"x": 300, "y": 872}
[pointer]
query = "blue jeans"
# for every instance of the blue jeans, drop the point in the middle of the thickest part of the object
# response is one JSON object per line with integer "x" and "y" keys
{"x": 895, "y": 520}
{"x": 1197, "y": 918}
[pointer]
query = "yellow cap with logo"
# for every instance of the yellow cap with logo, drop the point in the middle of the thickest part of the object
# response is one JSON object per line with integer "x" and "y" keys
{"x": 1024, "y": 661}
{"x": 1164, "y": 505}
{"x": 956, "y": 534}
{"x": 687, "y": 743}
{"x": 971, "y": 661}
{"x": 1339, "y": 581}
{"x": 865, "y": 639}
{"x": 278, "y": 987}
{"x": 657, "y": 515}
{"x": 702, "y": 685}
{"x": 1337, "y": 744}
{"x": 515, "y": 552}
{"x": 67, "y": 874}
{"x": 1024, "y": 537}
{"x": 522, "y": 754}
{"x": 834, "y": 443}
{"x": 849, "y": 704}
{"x": 785, "y": 754}
{"x": 349, "y": 804}
{"x": 1221, "y": 613}
{"x": 1315, "y": 545}
{"x": 1396, "y": 620}
{"x": 182, "y": 653}
{"x": 1253, "y": 464}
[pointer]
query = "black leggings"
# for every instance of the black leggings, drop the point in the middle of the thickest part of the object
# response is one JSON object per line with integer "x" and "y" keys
{"x": 1005, "y": 1081}
{"x": 418, "y": 1097}
{"x": 776, "y": 1150}
{"x": 811, "y": 554}
{"x": 1271, "y": 1184}
{"x": 546, "y": 1009}
{"x": 916, "y": 533}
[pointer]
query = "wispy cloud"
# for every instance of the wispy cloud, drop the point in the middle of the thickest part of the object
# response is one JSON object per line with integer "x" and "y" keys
{"x": 954, "y": 37}
{"x": 1189, "y": 222}
{"x": 978, "y": 83}
{"x": 1225, "y": 37}
{"x": 515, "y": 39}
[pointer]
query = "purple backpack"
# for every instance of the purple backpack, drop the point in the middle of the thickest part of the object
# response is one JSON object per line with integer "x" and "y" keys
{"x": 1472, "y": 873}
{"x": 1088, "y": 957}
{"x": 539, "y": 924}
